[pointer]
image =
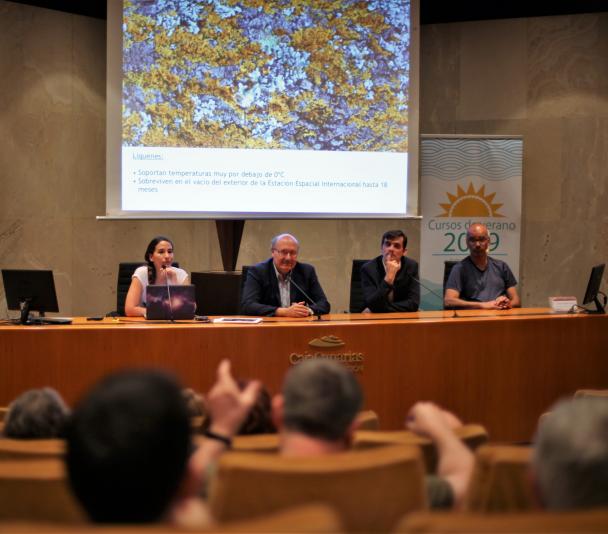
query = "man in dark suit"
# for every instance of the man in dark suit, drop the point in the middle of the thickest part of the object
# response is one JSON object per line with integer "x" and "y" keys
{"x": 281, "y": 286}
{"x": 390, "y": 281}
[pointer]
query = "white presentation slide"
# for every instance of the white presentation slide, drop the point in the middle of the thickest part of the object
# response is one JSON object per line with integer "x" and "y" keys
{"x": 245, "y": 181}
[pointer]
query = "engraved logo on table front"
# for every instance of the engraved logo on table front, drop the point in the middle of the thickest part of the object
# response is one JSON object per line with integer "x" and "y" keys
{"x": 326, "y": 342}
{"x": 324, "y": 347}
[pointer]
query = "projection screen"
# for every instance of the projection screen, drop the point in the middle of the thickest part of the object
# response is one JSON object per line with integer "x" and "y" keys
{"x": 262, "y": 109}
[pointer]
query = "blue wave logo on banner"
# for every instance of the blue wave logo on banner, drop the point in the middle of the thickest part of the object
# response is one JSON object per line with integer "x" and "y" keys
{"x": 456, "y": 159}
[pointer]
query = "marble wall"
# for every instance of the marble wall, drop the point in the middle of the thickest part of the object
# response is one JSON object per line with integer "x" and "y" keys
{"x": 544, "y": 78}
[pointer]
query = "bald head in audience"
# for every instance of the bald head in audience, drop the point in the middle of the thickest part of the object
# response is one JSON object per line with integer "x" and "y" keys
{"x": 570, "y": 458}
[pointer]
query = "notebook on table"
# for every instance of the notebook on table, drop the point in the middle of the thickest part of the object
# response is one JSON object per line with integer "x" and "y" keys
{"x": 181, "y": 307}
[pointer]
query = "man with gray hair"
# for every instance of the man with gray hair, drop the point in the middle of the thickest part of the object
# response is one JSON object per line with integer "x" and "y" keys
{"x": 281, "y": 286}
{"x": 570, "y": 460}
{"x": 317, "y": 409}
{"x": 317, "y": 414}
{"x": 36, "y": 414}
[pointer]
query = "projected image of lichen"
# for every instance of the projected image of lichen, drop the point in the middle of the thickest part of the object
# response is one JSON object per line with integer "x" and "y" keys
{"x": 297, "y": 74}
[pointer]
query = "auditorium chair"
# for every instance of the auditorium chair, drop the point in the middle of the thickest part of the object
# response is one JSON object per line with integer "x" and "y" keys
{"x": 313, "y": 518}
{"x": 368, "y": 420}
{"x": 591, "y": 393}
{"x": 3, "y": 413}
{"x": 370, "y": 490}
{"x": 217, "y": 292}
{"x": 448, "y": 265}
{"x": 36, "y": 490}
{"x": 530, "y": 522}
{"x": 30, "y": 449}
{"x": 501, "y": 480}
{"x": 357, "y": 302}
{"x": 256, "y": 443}
{"x": 270, "y": 442}
{"x": 472, "y": 435}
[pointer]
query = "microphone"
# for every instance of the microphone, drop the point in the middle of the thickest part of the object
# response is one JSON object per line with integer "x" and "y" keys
{"x": 291, "y": 281}
{"x": 430, "y": 291}
{"x": 164, "y": 268}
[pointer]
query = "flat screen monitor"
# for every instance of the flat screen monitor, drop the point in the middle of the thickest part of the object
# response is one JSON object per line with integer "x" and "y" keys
{"x": 30, "y": 290}
{"x": 593, "y": 289}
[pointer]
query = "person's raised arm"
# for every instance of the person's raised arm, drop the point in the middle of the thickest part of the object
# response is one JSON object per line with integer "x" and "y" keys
{"x": 228, "y": 407}
{"x": 455, "y": 459}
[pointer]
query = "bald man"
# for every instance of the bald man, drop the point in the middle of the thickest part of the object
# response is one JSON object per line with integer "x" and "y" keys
{"x": 479, "y": 281}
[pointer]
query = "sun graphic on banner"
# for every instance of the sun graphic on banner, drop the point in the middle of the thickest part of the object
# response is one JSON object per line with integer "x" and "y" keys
{"x": 471, "y": 203}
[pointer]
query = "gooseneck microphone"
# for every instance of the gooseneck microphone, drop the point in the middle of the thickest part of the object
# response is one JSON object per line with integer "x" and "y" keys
{"x": 312, "y": 301}
{"x": 431, "y": 291}
{"x": 164, "y": 267}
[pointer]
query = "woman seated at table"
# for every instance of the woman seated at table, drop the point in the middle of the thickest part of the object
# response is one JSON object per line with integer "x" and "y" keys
{"x": 159, "y": 269}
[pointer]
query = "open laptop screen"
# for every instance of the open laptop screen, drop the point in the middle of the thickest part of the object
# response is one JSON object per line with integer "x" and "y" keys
{"x": 182, "y": 305}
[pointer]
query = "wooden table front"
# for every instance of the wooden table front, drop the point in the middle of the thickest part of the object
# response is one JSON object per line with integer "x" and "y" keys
{"x": 500, "y": 369}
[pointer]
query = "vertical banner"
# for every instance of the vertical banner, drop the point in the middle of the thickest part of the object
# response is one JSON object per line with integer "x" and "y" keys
{"x": 465, "y": 180}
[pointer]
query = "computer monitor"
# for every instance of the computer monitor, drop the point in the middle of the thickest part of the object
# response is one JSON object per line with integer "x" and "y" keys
{"x": 29, "y": 290}
{"x": 593, "y": 289}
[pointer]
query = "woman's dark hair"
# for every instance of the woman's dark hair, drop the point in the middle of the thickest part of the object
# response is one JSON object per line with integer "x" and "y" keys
{"x": 151, "y": 248}
{"x": 259, "y": 420}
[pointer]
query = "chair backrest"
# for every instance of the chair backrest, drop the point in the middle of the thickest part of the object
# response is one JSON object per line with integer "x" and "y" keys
{"x": 501, "y": 480}
{"x": 447, "y": 269}
{"x": 37, "y": 490}
{"x": 370, "y": 490}
{"x": 357, "y": 302}
{"x": 309, "y": 518}
{"x": 591, "y": 393}
{"x": 312, "y": 518}
{"x": 368, "y": 420}
{"x": 472, "y": 435}
{"x": 123, "y": 282}
{"x": 251, "y": 443}
{"x": 29, "y": 449}
{"x": 244, "y": 270}
{"x": 217, "y": 292}
{"x": 3, "y": 412}
{"x": 125, "y": 273}
{"x": 530, "y": 522}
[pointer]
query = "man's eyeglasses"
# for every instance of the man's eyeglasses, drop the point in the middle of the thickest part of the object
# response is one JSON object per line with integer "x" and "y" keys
{"x": 285, "y": 252}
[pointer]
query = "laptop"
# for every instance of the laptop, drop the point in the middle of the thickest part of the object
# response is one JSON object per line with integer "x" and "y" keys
{"x": 183, "y": 303}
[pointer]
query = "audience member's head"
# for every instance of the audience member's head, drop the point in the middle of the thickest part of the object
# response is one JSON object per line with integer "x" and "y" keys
{"x": 259, "y": 420}
{"x": 194, "y": 402}
{"x": 36, "y": 414}
{"x": 320, "y": 399}
{"x": 128, "y": 447}
{"x": 571, "y": 455}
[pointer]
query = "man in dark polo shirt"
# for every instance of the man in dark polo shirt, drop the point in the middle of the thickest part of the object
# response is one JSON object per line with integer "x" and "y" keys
{"x": 479, "y": 281}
